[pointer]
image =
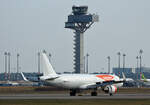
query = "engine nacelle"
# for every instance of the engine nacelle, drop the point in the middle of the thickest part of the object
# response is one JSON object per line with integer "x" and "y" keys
{"x": 110, "y": 89}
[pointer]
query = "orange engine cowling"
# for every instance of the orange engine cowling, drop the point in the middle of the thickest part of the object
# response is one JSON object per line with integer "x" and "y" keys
{"x": 110, "y": 89}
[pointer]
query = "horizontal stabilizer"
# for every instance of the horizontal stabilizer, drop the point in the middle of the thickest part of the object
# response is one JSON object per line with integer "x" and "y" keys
{"x": 49, "y": 77}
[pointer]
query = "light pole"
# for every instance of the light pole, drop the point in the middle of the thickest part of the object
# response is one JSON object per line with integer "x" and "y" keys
{"x": 8, "y": 65}
{"x": 87, "y": 62}
{"x": 108, "y": 64}
{"x": 50, "y": 55}
{"x": 137, "y": 64}
{"x": 140, "y": 52}
{"x": 84, "y": 64}
{"x": 124, "y": 62}
{"x": 39, "y": 62}
{"x": 5, "y": 65}
{"x": 119, "y": 59}
{"x": 18, "y": 66}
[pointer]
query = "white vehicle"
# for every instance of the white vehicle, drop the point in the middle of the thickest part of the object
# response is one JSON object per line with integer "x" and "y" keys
{"x": 76, "y": 82}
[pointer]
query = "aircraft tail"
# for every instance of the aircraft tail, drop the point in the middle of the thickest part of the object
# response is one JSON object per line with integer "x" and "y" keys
{"x": 143, "y": 77}
{"x": 46, "y": 66}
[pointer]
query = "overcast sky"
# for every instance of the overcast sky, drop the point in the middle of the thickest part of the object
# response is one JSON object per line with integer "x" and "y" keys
{"x": 29, "y": 26}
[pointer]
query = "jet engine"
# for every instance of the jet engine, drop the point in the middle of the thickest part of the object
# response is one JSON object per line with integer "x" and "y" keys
{"x": 110, "y": 89}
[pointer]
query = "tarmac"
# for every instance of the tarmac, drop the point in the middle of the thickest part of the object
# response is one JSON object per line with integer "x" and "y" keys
{"x": 66, "y": 96}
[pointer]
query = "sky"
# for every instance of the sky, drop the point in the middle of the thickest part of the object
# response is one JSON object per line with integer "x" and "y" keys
{"x": 29, "y": 26}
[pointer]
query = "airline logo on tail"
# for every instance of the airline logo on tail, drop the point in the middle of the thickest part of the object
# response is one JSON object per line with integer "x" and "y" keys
{"x": 143, "y": 77}
{"x": 106, "y": 77}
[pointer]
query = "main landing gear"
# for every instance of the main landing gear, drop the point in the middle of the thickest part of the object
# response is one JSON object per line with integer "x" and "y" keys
{"x": 94, "y": 93}
{"x": 110, "y": 94}
{"x": 72, "y": 92}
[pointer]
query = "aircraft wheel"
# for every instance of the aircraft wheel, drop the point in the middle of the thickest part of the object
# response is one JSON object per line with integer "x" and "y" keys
{"x": 93, "y": 93}
{"x": 73, "y": 93}
{"x": 111, "y": 94}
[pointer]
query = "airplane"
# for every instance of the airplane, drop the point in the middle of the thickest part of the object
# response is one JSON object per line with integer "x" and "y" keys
{"x": 12, "y": 83}
{"x": 24, "y": 78}
{"x": 144, "y": 79}
{"x": 24, "y": 82}
{"x": 27, "y": 82}
{"x": 77, "y": 82}
{"x": 127, "y": 79}
{"x": 9, "y": 83}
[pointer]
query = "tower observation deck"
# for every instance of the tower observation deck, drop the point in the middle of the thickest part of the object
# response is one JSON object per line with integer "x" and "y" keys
{"x": 80, "y": 21}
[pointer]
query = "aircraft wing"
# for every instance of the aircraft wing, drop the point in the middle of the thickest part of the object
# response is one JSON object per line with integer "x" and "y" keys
{"x": 104, "y": 83}
{"x": 100, "y": 84}
{"x": 111, "y": 82}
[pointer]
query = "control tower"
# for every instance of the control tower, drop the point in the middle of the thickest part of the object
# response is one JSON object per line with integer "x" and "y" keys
{"x": 80, "y": 21}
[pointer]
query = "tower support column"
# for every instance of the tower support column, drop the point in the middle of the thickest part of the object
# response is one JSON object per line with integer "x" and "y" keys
{"x": 79, "y": 52}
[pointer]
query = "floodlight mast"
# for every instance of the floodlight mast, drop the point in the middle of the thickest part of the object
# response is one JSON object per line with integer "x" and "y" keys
{"x": 80, "y": 21}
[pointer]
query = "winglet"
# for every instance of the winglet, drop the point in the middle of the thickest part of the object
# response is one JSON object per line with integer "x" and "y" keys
{"x": 124, "y": 78}
{"x": 24, "y": 78}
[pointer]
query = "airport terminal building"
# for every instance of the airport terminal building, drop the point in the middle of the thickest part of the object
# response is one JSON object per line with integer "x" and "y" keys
{"x": 132, "y": 72}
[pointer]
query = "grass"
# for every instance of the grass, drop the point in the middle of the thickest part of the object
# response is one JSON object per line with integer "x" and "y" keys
{"x": 77, "y": 102}
{"x": 30, "y": 90}
{"x": 134, "y": 90}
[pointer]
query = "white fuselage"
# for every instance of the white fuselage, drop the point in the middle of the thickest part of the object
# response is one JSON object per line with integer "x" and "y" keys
{"x": 81, "y": 81}
{"x": 145, "y": 80}
{"x": 127, "y": 79}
